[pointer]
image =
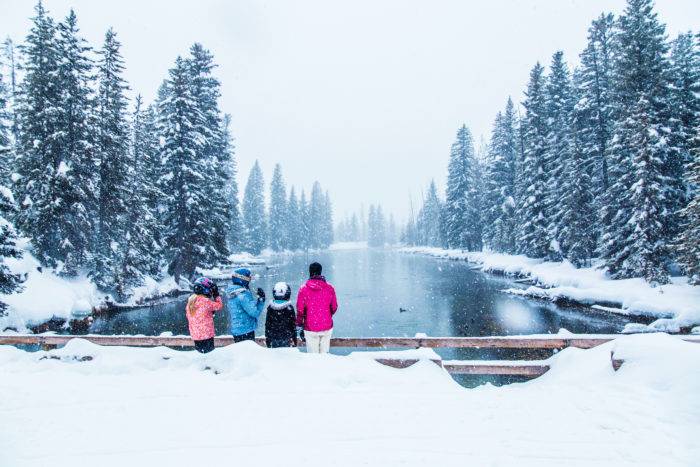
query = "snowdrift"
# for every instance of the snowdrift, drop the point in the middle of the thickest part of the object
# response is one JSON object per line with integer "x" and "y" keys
{"x": 87, "y": 405}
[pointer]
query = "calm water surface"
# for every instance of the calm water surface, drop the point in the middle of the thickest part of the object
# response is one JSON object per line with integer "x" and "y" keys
{"x": 440, "y": 298}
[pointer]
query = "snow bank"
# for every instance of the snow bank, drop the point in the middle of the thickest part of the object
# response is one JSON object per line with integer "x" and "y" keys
{"x": 677, "y": 305}
{"x": 249, "y": 405}
{"x": 153, "y": 289}
{"x": 46, "y": 294}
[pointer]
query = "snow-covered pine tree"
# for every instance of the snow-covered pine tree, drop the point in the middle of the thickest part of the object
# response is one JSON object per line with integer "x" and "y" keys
{"x": 327, "y": 232}
{"x": 186, "y": 196}
{"x": 354, "y": 229}
{"x": 294, "y": 222}
{"x": 206, "y": 92}
{"x": 77, "y": 142}
{"x": 6, "y": 157}
{"x": 254, "y": 218}
{"x": 391, "y": 231}
{"x": 9, "y": 282}
{"x": 316, "y": 216}
{"x": 577, "y": 216}
{"x": 47, "y": 186}
{"x": 499, "y": 185}
{"x": 235, "y": 224}
{"x": 11, "y": 66}
{"x": 305, "y": 222}
{"x": 597, "y": 103}
{"x": 139, "y": 248}
{"x": 685, "y": 95}
{"x": 460, "y": 179}
{"x": 689, "y": 240}
{"x": 557, "y": 149}
{"x": 534, "y": 238}
{"x": 429, "y": 221}
{"x": 643, "y": 166}
{"x": 112, "y": 146}
{"x": 148, "y": 140}
{"x": 278, "y": 211}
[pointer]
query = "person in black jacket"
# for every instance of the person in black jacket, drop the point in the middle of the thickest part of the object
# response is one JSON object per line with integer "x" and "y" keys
{"x": 280, "y": 324}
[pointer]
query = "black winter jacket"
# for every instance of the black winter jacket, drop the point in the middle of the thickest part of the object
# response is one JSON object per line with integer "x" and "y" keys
{"x": 280, "y": 325}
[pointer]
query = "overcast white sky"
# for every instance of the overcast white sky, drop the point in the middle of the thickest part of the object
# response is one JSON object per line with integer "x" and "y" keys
{"x": 363, "y": 95}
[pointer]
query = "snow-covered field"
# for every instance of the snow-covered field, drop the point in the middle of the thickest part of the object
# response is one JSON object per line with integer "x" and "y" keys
{"x": 675, "y": 305}
{"x": 247, "y": 405}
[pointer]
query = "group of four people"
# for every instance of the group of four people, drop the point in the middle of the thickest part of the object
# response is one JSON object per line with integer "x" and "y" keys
{"x": 316, "y": 305}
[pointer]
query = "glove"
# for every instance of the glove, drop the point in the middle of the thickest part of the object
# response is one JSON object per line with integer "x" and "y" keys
{"x": 214, "y": 291}
{"x": 261, "y": 294}
{"x": 301, "y": 335}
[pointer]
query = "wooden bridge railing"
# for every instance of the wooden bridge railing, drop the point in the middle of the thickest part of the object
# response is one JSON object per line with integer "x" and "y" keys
{"x": 473, "y": 367}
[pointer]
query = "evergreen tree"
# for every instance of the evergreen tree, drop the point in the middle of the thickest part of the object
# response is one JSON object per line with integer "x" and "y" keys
{"x": 685, "y": 95}
{"x": 354, "y": 229}
{"x": 294, "y": 222}
{"x": 216, "y": 152}
{"x": 559, "y": 104}
{"x": 644, "y": 168}
{"x": 9, "y": 282}
{"x": 596, "y": 102}
{"x": 139, "y": 249}
{"x": 391, "y": 231}
{"x": 500, "y": 178}
{"x": 50, "y": 189}
{"x": 254, "y": 212}
{"x": 429, "y": 219}
{"x": 278, "y": 211}
{"x": 577, "y": 221}
{"x": 6, "y": 159}
{"x": 305, "y": 224}
{"x": 185, "y": 205}
{"x": 461, "y": 215}
{"x": 327, "y": 232}
{"x": 11, "y": 88}
{"x": 112, "y": 147}
{"x": 689, "y": 240}
{"x": 235, "y": 223}
{"x": 317, "y": 222}
{"x": 534, "y": 233}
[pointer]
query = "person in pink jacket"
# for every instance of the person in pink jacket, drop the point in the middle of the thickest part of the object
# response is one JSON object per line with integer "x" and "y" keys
{"x": 200, "y": 309}
{"x": 316, "y": 305}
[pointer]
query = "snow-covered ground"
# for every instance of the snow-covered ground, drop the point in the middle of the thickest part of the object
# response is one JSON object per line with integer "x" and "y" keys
{"x": 247, "y": 405}
{"x": 675, "y": 305}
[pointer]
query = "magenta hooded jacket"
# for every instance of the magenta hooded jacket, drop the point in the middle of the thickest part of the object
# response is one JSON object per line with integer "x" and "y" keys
{"x": 316, "y": 304}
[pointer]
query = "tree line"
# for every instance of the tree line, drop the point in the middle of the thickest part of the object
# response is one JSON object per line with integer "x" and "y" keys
{"x": 119, "y": 191}
{"x": 601, "y": 167}
{"x": 374, "y": 228}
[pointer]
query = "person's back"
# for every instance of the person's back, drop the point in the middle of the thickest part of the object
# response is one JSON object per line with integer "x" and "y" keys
{"x": 280, "y": 328}
{"x": 200, "y": 309}
{"x": 244, "y": 309}
{"x": 316, "y": 305}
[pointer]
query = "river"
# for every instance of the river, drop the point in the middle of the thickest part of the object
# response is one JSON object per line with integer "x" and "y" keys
{"x": 383, "y": 292}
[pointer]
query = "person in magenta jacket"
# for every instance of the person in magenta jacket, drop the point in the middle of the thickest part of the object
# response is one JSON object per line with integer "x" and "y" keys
{"x": 316, "y": 305}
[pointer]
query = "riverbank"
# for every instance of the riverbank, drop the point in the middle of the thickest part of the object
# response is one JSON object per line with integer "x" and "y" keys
{"x": 675, "y": 307}
{"x": 127, "y": 406}
{"x": 49, "y": 299}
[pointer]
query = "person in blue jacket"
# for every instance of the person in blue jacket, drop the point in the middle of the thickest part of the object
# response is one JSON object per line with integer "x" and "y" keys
{"x": 243, "y": 307}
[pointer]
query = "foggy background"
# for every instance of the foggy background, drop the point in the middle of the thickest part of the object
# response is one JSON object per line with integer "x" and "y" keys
{"x": 364, "y": 96}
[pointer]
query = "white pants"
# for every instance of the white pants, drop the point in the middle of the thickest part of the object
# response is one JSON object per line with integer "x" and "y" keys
{"x": 318, "y": 342}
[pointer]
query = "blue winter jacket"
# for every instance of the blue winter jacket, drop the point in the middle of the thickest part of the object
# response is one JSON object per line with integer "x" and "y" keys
{"x": 244, "y": 309}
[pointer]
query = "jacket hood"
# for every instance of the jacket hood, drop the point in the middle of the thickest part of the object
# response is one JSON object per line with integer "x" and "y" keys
{"x": 316, "y": 283}
{"x": 279, "y": 304}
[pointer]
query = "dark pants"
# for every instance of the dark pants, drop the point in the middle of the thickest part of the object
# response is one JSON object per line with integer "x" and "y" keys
{"x": 204, "y": 346}
{"x": 250, "y": 336}
{"x": 274, "y": 343}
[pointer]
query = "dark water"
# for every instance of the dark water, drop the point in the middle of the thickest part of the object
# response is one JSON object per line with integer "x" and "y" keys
{"x": 441, "y": 298}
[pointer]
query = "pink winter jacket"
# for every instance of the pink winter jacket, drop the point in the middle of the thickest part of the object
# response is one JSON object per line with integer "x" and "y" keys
{"x": 200, "y": 316}
{"x": 316, "y": 304}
